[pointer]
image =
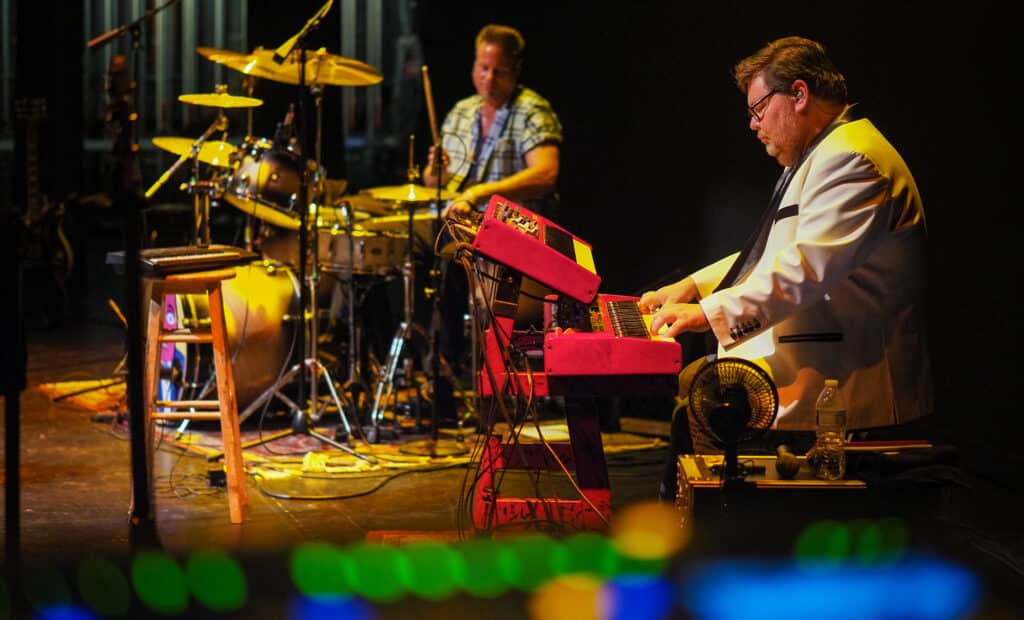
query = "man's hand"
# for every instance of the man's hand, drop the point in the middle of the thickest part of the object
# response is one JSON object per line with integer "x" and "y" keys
{"x": 677, "y": 318}
{"x": 431, "y": 160}
{"x": 458, "y": 209}
{"x": 682, "y": 291}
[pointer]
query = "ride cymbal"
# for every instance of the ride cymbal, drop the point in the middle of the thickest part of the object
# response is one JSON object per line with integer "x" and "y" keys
{"x": 215, "y": 153}
{"x": 220, "y": 100}
{"x": 410, "y": 192}
{"x": 321, "y": 67}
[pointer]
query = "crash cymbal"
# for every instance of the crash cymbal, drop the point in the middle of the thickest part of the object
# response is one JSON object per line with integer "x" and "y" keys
{"x": 327, "y": 216}
{"x": 215, "y": 153}
{"x": 220, "y": 100}
{"x": 258, "y": 208}
{"x": 368, "y": 204}
{"x": 321, "y": 67}
{"x": 410, "y": 192}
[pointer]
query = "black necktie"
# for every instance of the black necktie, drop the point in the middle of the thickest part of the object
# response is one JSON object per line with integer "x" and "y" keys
{"x": 754, "y": 246}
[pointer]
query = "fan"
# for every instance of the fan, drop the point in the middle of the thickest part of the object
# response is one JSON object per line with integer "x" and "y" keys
{"x": 733, "y": 400}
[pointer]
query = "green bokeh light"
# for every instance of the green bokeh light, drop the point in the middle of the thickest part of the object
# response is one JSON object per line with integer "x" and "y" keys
{"x": 867, "y": 541}
{"x": 587, "y": 552}
{"x": 159, "y": 582}
{"x": 535, "y": 557}
{"x": 317, "y": 570}
{"x": 435, "y": 570}
{"x": 893, "y": 540}
{"x": 103, "y": 587}
{"x": 824, "y": 543}
{"x": 489, "y": 567}
{"x": 377, "y": 572}
{"x": 216, "y": 580}
{"x": 44, "y": 586}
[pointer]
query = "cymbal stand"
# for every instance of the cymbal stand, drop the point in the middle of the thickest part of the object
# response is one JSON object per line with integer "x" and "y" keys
{"x": 400, "y": 349}
{"x": 219, "y": 124}
{"x": 248, "y": 86}
{"x": 434, "y": 446}
{"x": 302, "y": 420}
{"x": 354, "y": 386}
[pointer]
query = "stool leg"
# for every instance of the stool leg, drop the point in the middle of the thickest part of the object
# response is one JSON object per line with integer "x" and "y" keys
{"x": 154, "y": 318}
{"x": 230, "y": 429}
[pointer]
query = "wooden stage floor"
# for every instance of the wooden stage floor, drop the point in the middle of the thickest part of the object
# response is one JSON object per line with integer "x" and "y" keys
{"x": 76, "y": 485}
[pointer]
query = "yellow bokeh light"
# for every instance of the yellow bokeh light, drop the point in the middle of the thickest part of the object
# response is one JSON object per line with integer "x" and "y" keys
{"x": 649, "y": 530}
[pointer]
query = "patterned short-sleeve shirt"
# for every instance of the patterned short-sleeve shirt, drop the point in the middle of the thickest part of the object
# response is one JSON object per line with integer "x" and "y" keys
{"x": 524, "y": 122}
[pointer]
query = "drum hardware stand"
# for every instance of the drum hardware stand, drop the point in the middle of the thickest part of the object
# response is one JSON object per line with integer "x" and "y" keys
{"x": 400, "y": 348}
{"x": 354, "y": 385}
{"x": 434, "y": 446}
{"x": 219, "y": 124}
{"x": 248, "y": 86}
{"x": 302, "y": 420}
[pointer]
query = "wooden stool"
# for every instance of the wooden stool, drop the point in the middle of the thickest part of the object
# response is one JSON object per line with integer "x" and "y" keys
{"x": 225, "y": 407}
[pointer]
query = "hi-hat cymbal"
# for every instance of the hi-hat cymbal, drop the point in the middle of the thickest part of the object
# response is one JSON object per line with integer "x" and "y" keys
{"x": 211, "y": 152}
{"x": 410, "y": 192}
{"x": 321, "y": 67}
{"x": 400, "y": 222}
{"x": 220, "y": 100}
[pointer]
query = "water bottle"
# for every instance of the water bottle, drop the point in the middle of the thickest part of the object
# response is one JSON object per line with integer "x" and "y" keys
{"x": 830, "y": 442}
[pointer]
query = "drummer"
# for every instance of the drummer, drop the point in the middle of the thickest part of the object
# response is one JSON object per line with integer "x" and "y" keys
{"x": 502, "y": 140}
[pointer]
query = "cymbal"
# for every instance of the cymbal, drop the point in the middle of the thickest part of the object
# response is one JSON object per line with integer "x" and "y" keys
{"x": 398, "y": 223}
{"x": 321, "y": 67}
{"x": 363, "y": 202}
{"x": 410, "y": 192}
{"x": 220, "y": 100}
{"x": 256, "y": 207}
{"x": 326, "y": 216}
{"x": 212, "y": 152}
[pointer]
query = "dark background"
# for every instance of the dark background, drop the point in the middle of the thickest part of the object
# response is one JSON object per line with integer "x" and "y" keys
{"x": 661, "y": 174}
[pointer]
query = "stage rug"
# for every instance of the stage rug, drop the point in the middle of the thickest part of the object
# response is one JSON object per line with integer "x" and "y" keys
{"x": 306, "y": 452}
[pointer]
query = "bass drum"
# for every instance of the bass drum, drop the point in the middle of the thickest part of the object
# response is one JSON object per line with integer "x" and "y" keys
{"x": 261, "y": 312}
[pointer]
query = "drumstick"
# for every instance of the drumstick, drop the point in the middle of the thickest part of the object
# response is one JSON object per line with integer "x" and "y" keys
{"x": 430, "y": 106}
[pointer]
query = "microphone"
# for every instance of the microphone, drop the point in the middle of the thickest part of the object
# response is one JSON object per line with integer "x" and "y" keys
{"x": 786, "y": 462}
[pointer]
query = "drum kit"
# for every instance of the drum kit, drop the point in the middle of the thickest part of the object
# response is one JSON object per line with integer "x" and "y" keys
{"x": 307, "y": 225}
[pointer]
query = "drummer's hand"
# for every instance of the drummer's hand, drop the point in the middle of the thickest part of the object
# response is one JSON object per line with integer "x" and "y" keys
{"x": 431, "y": 156}
{"x": 459, "y": 208}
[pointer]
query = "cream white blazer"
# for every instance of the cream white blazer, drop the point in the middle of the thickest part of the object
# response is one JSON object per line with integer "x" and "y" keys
{"x": 839, "y": 290}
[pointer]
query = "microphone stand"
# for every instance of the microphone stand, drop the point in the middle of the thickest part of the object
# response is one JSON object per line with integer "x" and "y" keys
{"x": 128, "y": 199}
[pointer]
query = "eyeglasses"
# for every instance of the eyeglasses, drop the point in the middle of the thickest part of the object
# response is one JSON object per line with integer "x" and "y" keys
{"x": 757, "y": 109}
